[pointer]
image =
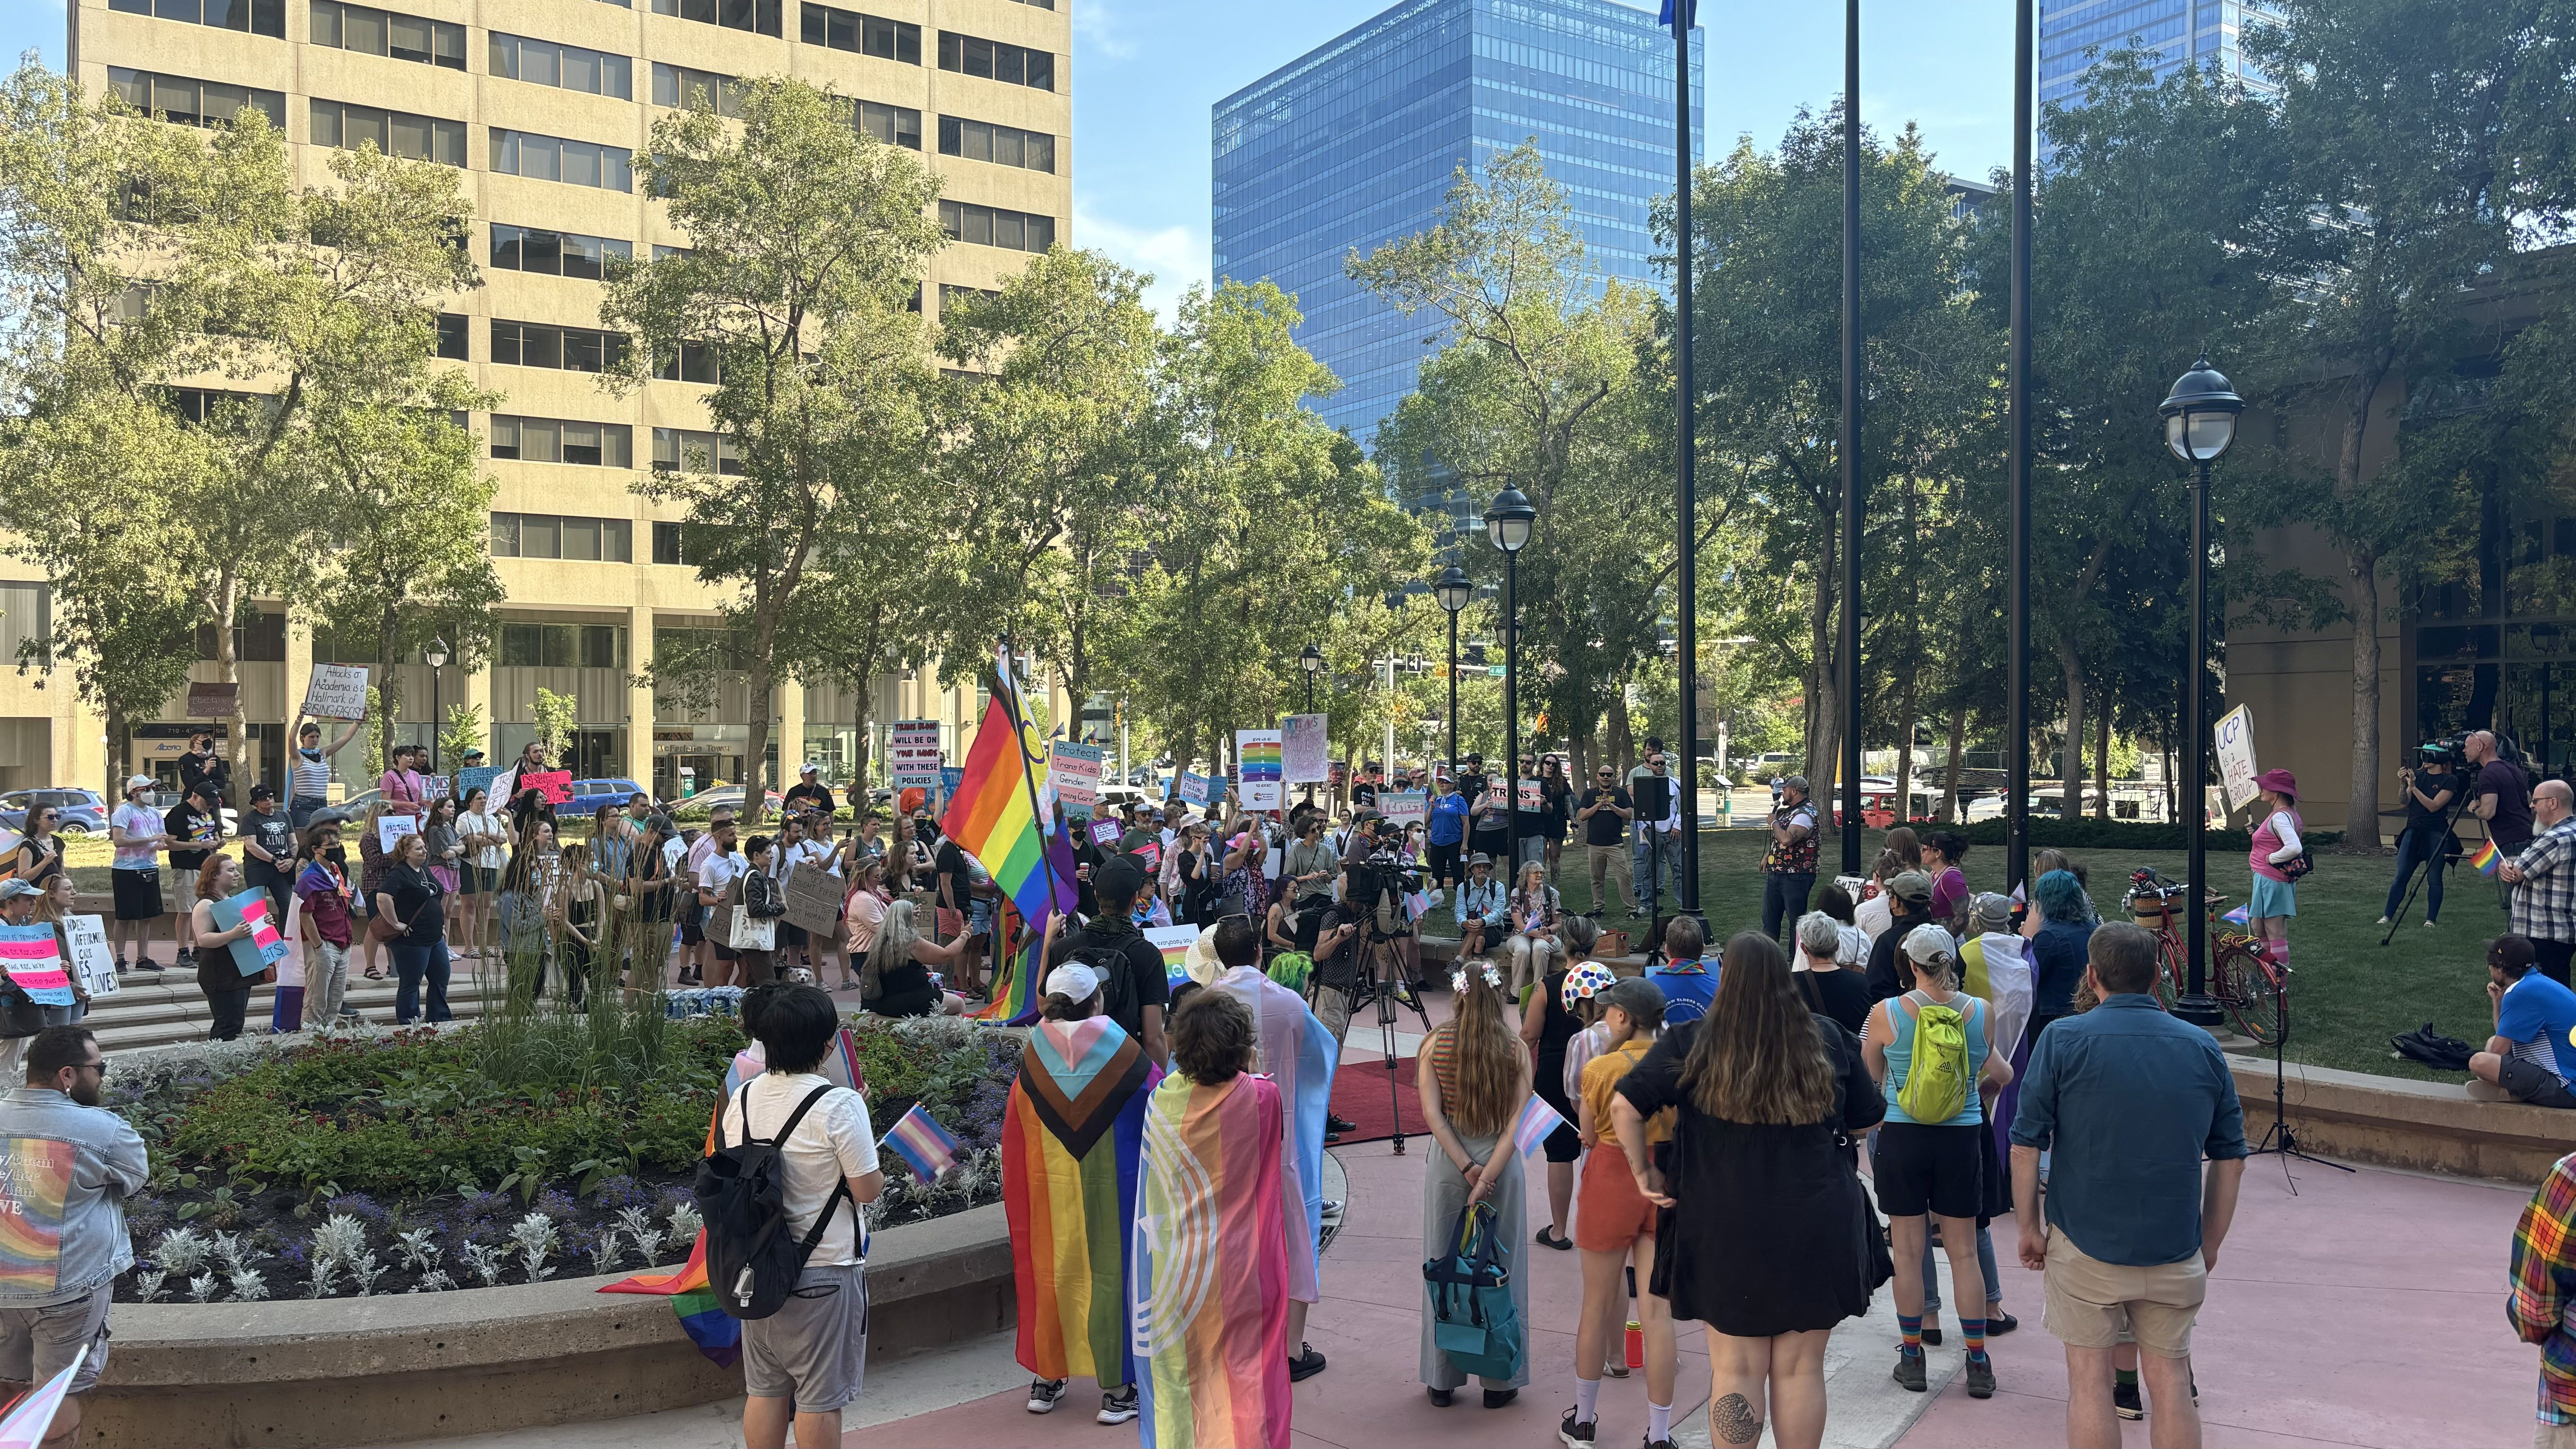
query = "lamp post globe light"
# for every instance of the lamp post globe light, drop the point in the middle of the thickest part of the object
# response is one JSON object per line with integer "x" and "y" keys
{"x": 2200, "y": 423}
{"x": 1509, "y": 521}
{"x": 434, "y": 654}
{"x": 1453, "y": 589}
{"x": 1311, "y": 660}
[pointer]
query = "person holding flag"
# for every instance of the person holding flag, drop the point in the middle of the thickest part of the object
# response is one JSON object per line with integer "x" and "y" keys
{"x": 1473, "y": 1096}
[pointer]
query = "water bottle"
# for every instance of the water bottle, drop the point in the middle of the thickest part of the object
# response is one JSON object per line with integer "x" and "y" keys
{"x": 1636, "y": 1344}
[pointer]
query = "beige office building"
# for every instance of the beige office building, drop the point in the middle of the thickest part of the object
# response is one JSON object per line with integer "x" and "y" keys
{"x": 544, "y": 104}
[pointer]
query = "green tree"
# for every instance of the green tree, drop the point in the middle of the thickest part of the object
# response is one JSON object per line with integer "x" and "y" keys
{"x": 555, "y": 716}
{"x": 806, "y": 240}
{"x": 462, "y": 731}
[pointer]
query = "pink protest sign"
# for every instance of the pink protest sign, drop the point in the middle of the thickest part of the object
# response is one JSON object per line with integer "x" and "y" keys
{"x": 1105, "y": 833}
{"x": 34, "y": 960}
{"x": 552, "y": 786}
{"x": 264, "y": 947}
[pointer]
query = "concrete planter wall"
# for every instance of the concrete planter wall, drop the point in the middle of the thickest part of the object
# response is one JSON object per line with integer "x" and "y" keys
{"x": 339, "y": 1371}
{"x": 2396, "y": 1122}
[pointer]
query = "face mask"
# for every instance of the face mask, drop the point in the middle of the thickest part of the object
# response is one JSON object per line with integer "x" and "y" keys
{"x": 310, "y": 754}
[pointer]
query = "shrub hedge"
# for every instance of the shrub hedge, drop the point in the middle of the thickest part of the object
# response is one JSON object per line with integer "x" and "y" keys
{"x": 2126, "y": 835}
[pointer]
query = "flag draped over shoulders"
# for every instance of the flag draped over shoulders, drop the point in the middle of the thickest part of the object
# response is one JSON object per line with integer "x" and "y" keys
{"x": 1297, "y": 1053}
{"x": 1071, "y": 1137}
{"x": 1208, "y": 1280}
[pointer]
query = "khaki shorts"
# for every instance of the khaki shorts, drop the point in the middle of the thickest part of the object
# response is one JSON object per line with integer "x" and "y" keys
{"x": 2090, "y": 1301}
{"x": 38, "y": 1343}
{"x": 814, "y": 1350}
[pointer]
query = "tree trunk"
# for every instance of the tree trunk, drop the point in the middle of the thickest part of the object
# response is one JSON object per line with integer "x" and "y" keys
{"x": 119, "y": 734}
{"x": 1621, "y": 746}
{"x": 224, "y": 605}
{"x": 1958, "y": 749}
{"x": 2102, "y": 762}
{"x": 1905, "y": 751}
{"x": 2070, "y": 761}
{"x": 388, "y": 689}
{"x": 2171, "y": 808}
{"x": 1824, "y": 718}
{"x": 755, "y": 758}
{"x": 2361, "y": 817}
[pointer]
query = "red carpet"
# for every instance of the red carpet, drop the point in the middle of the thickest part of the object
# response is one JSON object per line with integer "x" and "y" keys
{"x": 1360, "y": 1095}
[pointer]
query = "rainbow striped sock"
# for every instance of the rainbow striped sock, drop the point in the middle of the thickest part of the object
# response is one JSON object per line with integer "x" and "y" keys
{"x": 1912, "y": 1329}
{"x": 1974, "y": 1331}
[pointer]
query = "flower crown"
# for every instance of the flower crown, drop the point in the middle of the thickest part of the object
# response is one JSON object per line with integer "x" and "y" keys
{"x": 1458, "y": 978}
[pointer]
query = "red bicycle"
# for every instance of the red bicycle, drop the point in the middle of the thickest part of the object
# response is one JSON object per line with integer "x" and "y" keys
{"x": 2255, "y": 991}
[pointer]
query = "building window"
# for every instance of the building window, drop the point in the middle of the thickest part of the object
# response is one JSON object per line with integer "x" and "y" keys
{"x": 894, "y": 125}
{"x": 562, "y": 646}
{"x": 696, "y": 363}
{"x": 667, "y": 547}
{"x": 679, "y": 85}
{"x": 550, "y": 158}
{"x": 199, "y": 405}
{"x": 542, "y": 344}
{"x": 395, "y": 133}
{"x": 452, "y": 337}
{"x": 762, "y": 16}
{"x": 190, "y": 102}
{"x": 993, "y": 226}
{"x": 556, "y": 253}
{"x": 952, "y": 296}
{"x": 27, "y": 622}
{"x": 545, "y": 535}
{"x": 381, "y": 32}
{"x": 993, "y": 60}
{"x": 1001, "y": 145}
{"x": 898, "y": 40}
{"x": 680, "y": 450}
{"x": 566, "y": 67}
{"x": 259, "y": 17}
{"x": 1039, "y": 4}
{"x": 555, "y": 440}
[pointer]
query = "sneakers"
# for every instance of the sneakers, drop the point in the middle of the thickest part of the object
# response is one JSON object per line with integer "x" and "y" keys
{"x": 1932, "y": 1335}
{"x": 1981, "y": 1377}
{"x": 1043, "y": 1394}
{"x": 1576, "y": 1436}
{"x": 187, "y": 957}
{"x": 1403, "y": 991}
{"x": 2382, "y": 921}
{"x": 2432, "y": 925}
{"x": 2126, "y": 1403}
{"x": 1333, "y": 1123}
{"x": 1909, "y": 1373}
{"x": 1118, "y": 1407}
{"x": 1305, "y": 1365}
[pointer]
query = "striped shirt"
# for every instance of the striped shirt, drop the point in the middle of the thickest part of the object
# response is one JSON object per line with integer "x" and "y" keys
{"x": 2544, "y": 1289}
{"x": 309, "y": 779}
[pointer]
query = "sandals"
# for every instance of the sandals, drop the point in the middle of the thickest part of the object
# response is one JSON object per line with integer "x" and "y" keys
{"x": 1548, "y": 1237}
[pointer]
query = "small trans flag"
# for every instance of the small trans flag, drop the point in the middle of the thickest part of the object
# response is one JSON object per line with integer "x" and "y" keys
{"x": 924, "y": 1145}
{"x": 32, "y": 1417}
{"x": 2486, "y": 857}
{"x": 2241, "y": 916}
{"x": 1537, "y": 1120}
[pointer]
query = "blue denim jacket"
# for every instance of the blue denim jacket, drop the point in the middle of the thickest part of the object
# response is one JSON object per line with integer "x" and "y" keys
{"x": 107, "y": 1164}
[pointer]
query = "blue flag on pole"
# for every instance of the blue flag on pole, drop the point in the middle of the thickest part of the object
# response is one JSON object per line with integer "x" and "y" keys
{"x": 1679, "y": 14}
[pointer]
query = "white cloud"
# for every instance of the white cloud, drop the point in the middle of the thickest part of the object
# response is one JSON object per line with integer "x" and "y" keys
{"x": 1176, "y": 256}
{"x": 1102, "y": 31}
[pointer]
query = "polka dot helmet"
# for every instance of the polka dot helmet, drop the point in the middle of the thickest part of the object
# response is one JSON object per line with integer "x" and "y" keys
{"x": 1585, "y": 982}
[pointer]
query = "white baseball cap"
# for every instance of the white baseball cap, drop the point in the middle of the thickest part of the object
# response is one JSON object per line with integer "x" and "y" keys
{"x": 137, "y": 783}
{"x": 1073, "y": 981}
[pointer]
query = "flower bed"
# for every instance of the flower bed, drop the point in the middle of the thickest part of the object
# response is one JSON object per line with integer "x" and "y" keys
{"x": 505, "y": 1151}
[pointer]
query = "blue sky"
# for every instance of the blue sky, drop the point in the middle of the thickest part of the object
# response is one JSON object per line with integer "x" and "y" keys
{"x": 1145, "y": 73}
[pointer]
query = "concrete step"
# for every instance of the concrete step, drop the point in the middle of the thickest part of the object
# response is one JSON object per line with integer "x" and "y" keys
{"x": 149, "y": 1012}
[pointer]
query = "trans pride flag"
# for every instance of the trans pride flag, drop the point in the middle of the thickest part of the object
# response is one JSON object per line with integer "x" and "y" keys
{"x": 993, "y": 816}
{"x": 1071, "y": 1138}
{"x": 1207, "y": 1292}
{"x": 926, "y": 1147}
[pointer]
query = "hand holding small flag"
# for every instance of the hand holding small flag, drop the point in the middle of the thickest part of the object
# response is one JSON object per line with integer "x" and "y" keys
{"x": 2486, "y": 857}
{"x": 925, "y": 1146}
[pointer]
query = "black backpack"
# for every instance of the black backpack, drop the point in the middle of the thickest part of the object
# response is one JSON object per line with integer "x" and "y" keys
{"x": 2441, "y": 1053}
{"x": 1118, "y": 994}
{"x": 752, "y": 1263}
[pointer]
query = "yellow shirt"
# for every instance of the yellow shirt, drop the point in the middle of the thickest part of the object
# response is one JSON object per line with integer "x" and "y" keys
{"x": 1601, "y": 1079}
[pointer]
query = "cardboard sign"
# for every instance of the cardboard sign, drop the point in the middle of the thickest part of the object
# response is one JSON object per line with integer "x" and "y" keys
{"x": 1303, "y": 749}
{"x": 263, "y": 947}
{"x": 1075, "y": 772}
{"x": 552, "y": 786}
{"x": 2234, "y": 736}
{"x": 1258, "y": 752}
{"x": 434, "y": 787}
{"x": 34, "y": 960}
{"x": 214, "y": 701}
{"x": 1194, "y": 788}
{"x": 1106, "y": 833}
{"x": 814, "y": 902}
{"x": 912, "y": 754}
{"x": 478, "y": 778}
{"x": 390, "y": 829}
{"x": 338, "y": 691}
{"x": 1404, "y": 807}
{"x": 92, "y": 961}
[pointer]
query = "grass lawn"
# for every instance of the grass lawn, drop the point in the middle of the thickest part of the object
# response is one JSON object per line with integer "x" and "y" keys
{"x": 2348, "y": 994}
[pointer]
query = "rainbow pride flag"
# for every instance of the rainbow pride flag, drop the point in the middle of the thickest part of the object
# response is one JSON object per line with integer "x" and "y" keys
{"x": 993, "y": 816}
{"x": 2486, "y": 857}
{"x": 1071, "y": 1137}
{"x": 717, "y": 1334}
{"x": 1207, "y": 1294}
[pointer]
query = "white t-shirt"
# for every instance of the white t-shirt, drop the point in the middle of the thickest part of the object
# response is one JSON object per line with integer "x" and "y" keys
{"x": 798, "y": 854}
{"x": 489, "y": 857}
{"x": 834, "y": 1142}
{"x": 136, "y": 820}
{"x": 720, "y": 870}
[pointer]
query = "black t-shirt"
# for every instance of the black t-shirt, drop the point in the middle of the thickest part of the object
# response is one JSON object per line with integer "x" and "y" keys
{"x": 2511, "y": 825}
{"x": 195, "y": 767}
{"x": 274, "y": 833}
{"x": 2420, "y": 818}
{"x": 800, "y": 794}
{"x": 951, "y": 863}
{"x": 1606, "y": 827}
{"x": 1840, "y": 994}
{"x": 1471, "y": 786}
{"x": 187, "y": 822}
{"x": 1364, "y": 795}
{"x": 417, "y": 904}
{"x": 1145, "y": 984}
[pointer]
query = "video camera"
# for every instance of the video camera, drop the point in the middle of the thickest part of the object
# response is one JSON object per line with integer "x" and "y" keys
{"x": 2452, "y": 750}
{"x": 1377, "y": 884}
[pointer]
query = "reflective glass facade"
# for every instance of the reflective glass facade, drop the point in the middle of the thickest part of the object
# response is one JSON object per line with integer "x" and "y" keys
{"x": 2180, "y": 30}
{"x": 1354, "y": 144}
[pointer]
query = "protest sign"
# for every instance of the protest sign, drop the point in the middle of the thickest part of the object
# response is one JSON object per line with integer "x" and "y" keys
{"x": 92, "y": 961}
{"x": 912, "y": 754}
{"x": 35, "y": 1186}
{"x": 1304, "y": 750}
{"x": 1404, "y": 807}
{"x": 1106, "y": 833}
{"x": 390, "y": 829}
{"x": 552, "y": 786}
{"x": 1532, "y": 798}
{"x": 337, "y": 691}
{"x": 263, "y": 947}
{"x": 35, "y": 962}
{"x": 213, "y": 701}
{"x": 814, "y": 902}
{"x": 434, "y": 787}
{"x": 2236, "y": 768}
{"x": 478, "y": 778}
{"x": 1258, "y": 753}
{"x": 950, "y": 777}
{"x": 1194, "y": 788}
{"x": 1075, "y": 771}
{"x": 1174, "y": 942}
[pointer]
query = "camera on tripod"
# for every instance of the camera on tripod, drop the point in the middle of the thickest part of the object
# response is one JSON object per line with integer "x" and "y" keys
{"x": 1377, "y": 887}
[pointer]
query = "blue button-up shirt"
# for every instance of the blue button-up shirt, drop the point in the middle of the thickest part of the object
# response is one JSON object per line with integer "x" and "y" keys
{"x": 2131, "y": 1100}
{"x": 93, "y": 1161}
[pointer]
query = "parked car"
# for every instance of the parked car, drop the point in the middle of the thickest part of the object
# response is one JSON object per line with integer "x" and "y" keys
{"x": 729, "y": 797}
{"x": 82, "y": 810}
{"x": 589, "y": 795}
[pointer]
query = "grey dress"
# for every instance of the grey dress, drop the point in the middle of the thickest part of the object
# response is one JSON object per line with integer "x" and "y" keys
{"x": 1444, "y": 1196}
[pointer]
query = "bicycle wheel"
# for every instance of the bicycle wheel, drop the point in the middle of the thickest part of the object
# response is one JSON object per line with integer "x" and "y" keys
{"x": 2171, "y": 963}
{"x": 2254, "y": 993}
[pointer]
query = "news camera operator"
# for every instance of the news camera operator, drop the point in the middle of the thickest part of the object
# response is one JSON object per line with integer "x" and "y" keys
{"x": 2431, "y": 791}
{"x": 2500, "y": 795}
{"x": 1375, "y": 879}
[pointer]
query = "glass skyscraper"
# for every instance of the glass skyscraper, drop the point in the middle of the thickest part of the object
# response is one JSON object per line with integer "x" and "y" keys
{"x": 2198, "y": 31}
{"x": 1354, "y": 143}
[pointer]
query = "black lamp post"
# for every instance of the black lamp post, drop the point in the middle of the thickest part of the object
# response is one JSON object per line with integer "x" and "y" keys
{"x": 435, "y": 656}
{"x": 2200, "y": 421}
{"x": 1848, "y": 445}
{"x": 1507, "y": 526}
{"x": 2017, "y": 469}
{"x": 1453, "y": 590}
{"x": 1311, "y": 660}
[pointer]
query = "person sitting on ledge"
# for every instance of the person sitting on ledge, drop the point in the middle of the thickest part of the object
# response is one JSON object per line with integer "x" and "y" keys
{"x": 2530, "y": 1054}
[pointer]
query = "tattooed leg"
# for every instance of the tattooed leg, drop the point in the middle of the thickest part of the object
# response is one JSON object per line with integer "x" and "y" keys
{"x": 1731, "y": 1420}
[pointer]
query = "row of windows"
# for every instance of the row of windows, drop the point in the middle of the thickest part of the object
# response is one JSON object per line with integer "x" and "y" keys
{"x": 688, "y": 450}
{"x": 950, "y": 294}
{"x": 995, "y": 226}
{"x": 679, "y": 85}
{"x": 546, "y": 535}
{"x": 567, "y": 67}
{"x": 894, "y": 125}
{"x": 259, "y": 17}
{"x": 542, "y": 344}
{"x": 898, "y": 40}
{"x": 564, "y": 646}
{"x": 551, "y": 158}
{"x": 1003, "y": 145}
{"x": 192, "y": 102}
{"x": 555, "y": 253}
{"x": 760, "y": 16}
{"x": 992, "y": 59}
{"x": 557, "y": 440}
{"x": 381, "y": 32}
{"x": 396, "y": 133}
{"x": 697, "y": 362}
